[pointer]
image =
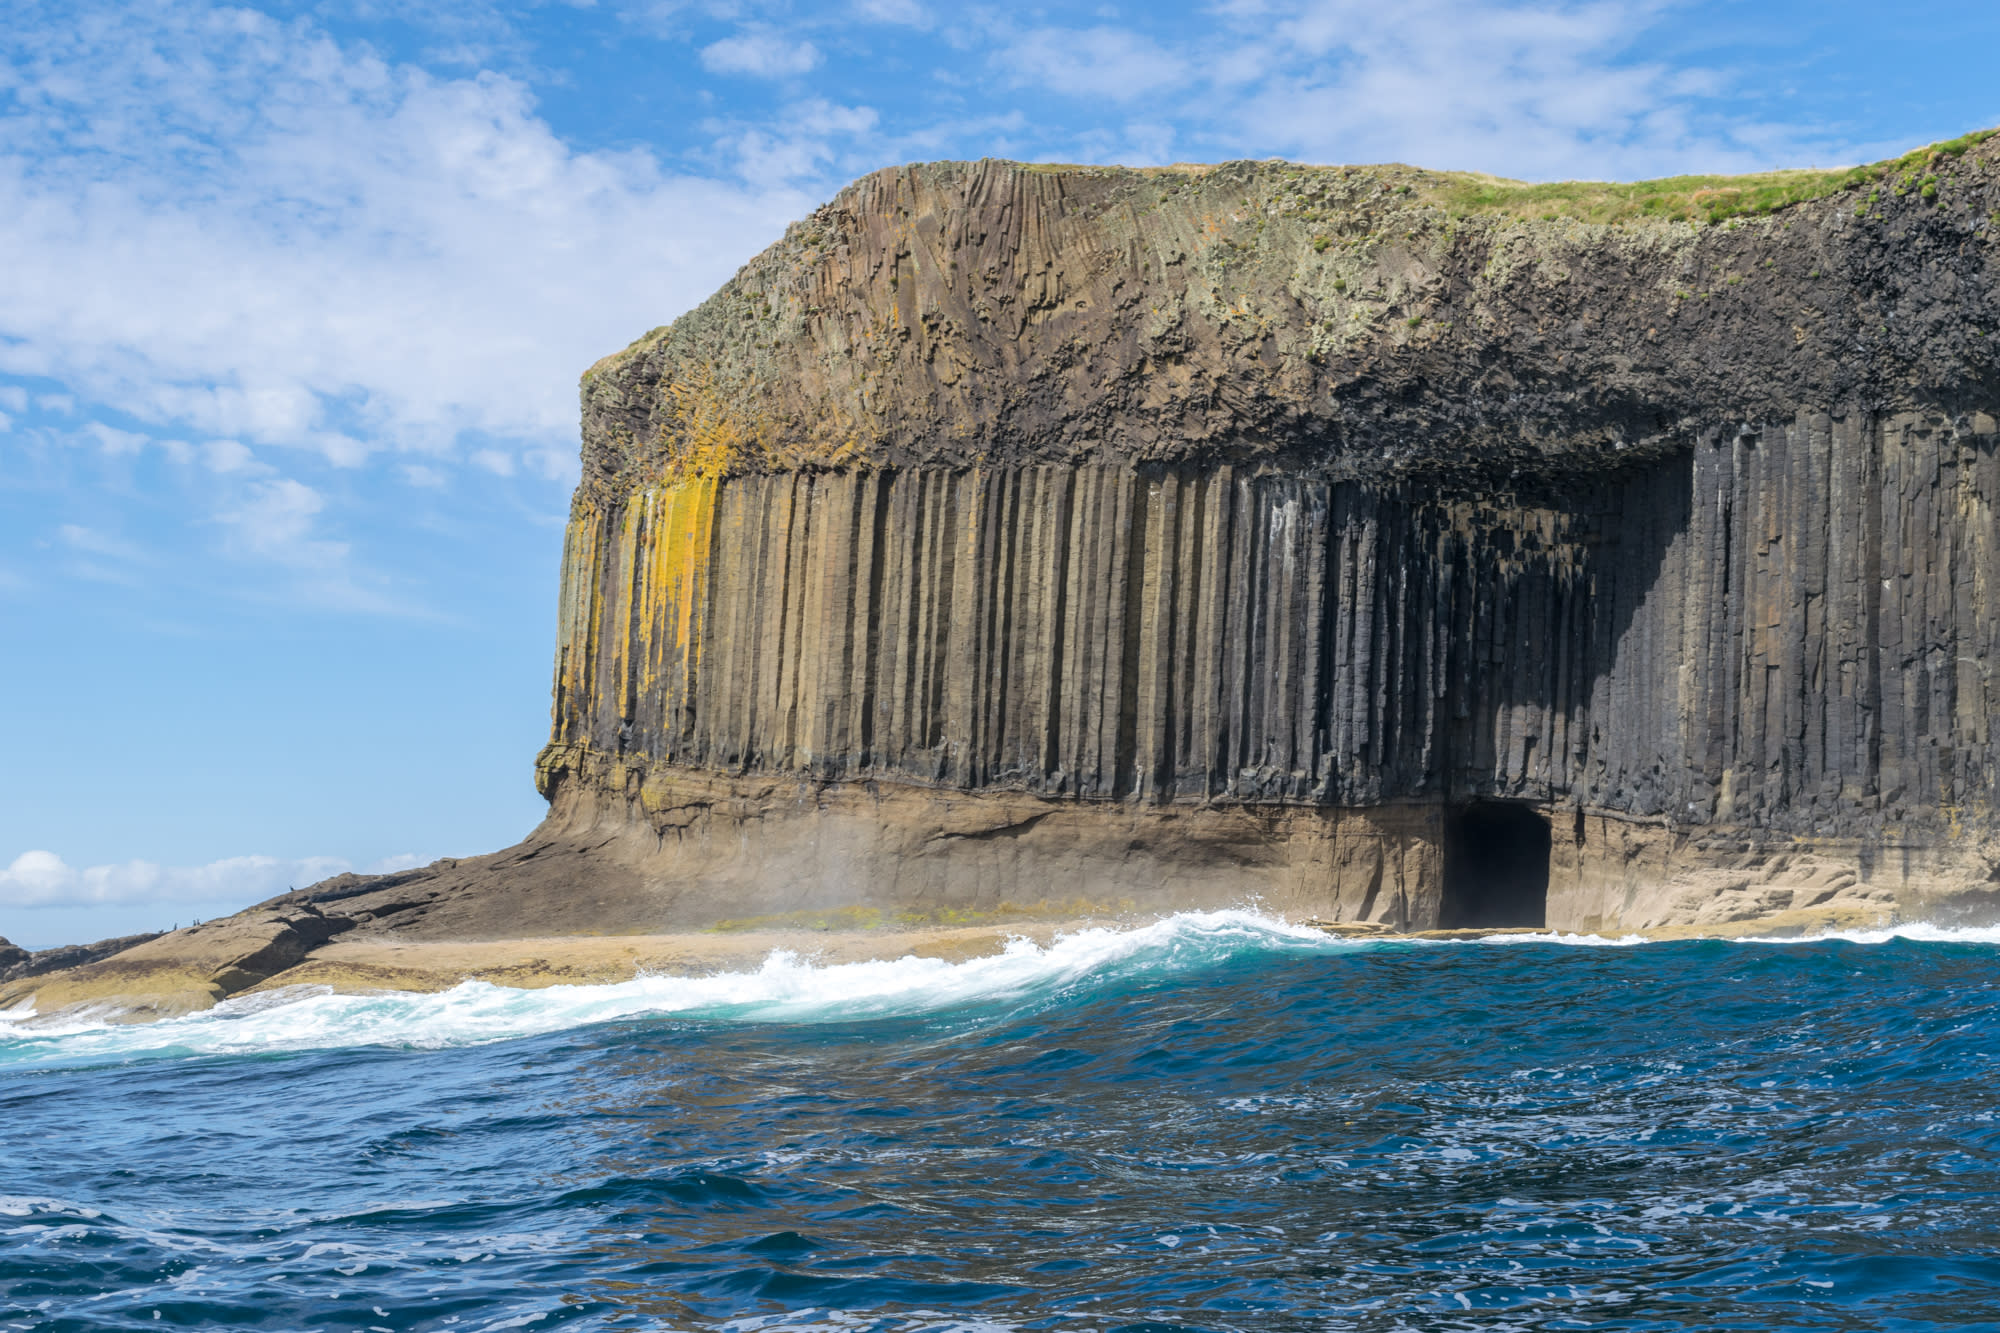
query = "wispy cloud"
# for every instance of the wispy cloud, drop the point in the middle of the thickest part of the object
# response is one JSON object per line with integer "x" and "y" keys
{"x": 276, "y": 523}
{"x": 761, "y": 53}
{"x": 275, "y": 520}
{"x": 1102, "y": 61}
{"x": 44, "y": 879}
{"x": 1529, "y": 89}
{"x": 910, "y": 13}
{"x": 1540, "y": 88}
{"x": 809, "y": 137}
{"x": 93, "y": 542}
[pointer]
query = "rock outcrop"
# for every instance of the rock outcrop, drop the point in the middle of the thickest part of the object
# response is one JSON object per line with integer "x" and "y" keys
{"x": 1151, "y": 502}
{"x": 18, "y": 964}
{"x": 1384, "y": 546}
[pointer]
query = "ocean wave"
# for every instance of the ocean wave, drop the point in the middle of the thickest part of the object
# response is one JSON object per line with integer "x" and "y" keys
{"x": 786, "y": 988}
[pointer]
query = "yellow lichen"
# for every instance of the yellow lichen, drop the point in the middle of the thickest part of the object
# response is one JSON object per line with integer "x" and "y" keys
{"x": 707, "y": 435}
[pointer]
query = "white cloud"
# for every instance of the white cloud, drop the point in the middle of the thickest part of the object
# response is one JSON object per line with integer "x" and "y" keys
{"x": 1538, "y": 88}
{"x": 275, "y": 519}
{"x": 1093, "y": 62}
{"x": 910, "y": 13}
{"x": 219, "y": 223}
{"x": 115, "y": 441}
{"x": 1546, "y": 89}
{"x": 274, "y": 523}
{"x": 227, "y": 456}
{"x": 805, "y": 148}
{"x": 44, "y": 879}
{"x": 93, "y": 542}
{"x": 763, "y": 54}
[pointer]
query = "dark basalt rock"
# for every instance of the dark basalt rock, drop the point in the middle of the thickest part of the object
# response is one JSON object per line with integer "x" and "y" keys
{"x": 1266, "y": 485}
{"x": 992, "y": 313}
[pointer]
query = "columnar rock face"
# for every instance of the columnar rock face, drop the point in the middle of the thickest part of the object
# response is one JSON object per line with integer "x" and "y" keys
{"x": 1153, "y": 634}
{"x": 1251, "y": 521}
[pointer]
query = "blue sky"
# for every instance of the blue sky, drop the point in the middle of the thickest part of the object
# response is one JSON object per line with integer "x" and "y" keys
{"x": 295, "y": 296}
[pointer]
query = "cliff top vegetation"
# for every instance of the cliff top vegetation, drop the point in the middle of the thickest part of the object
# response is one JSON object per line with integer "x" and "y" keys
{"x": 1696, "y": 199}
{"x": 1684, "y": 198}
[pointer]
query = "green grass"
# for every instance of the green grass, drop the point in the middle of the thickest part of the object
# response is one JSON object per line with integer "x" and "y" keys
{"x": 1708, "y": 199}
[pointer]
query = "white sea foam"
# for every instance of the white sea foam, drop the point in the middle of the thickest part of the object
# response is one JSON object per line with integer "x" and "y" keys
{"x": 1920, "y": 931}
{"x": 787, "y": 988}
{"x": 1915, "y": 930}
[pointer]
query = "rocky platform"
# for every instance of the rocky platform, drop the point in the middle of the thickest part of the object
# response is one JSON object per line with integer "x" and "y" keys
{"x": 1386, "y": 547}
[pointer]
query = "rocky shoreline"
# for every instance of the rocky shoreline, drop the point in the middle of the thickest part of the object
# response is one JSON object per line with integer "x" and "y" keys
{"x": 190, "y": 971}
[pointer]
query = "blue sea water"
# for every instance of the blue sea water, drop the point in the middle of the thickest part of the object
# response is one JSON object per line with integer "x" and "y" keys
{"x": 1213, "y": 1122}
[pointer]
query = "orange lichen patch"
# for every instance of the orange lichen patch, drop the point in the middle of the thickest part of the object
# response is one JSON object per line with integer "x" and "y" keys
{"x": 706, "y": 434}
{"x": 676, "y": 537}
{"x": 642, "y": 565}
{"x": 710, "y": 433}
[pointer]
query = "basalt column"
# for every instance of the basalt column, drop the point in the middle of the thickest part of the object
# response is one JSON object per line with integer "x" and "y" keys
{"x": 1114, "y": 637}
{"x": 1262, "y": 531}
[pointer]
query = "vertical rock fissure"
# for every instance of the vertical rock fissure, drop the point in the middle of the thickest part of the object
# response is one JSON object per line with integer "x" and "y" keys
{"x": 1673, "y": 642}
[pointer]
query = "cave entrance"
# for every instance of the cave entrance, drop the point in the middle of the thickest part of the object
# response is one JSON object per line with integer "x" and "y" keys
{"x": 1496, "y": 866}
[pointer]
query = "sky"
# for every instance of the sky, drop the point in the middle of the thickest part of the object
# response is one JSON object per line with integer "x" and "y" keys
{"x": 294, "y": 297}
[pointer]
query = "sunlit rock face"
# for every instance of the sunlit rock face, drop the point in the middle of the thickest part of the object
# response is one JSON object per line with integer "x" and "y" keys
{"x": 1010, "y": 534}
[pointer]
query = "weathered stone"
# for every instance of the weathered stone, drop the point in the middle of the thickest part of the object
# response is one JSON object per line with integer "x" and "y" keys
{"x": 159, "y": 976}
{"x": 17, "y": 963}
{"x": 1089, "y": 486}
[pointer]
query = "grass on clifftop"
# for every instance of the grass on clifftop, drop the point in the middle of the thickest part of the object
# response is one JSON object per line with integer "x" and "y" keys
{"x": 1676, "y": 198}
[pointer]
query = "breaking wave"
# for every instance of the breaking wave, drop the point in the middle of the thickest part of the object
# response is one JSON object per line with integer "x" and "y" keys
{"x": 1217, "y": 1121}
{"x": 787, "y": 988}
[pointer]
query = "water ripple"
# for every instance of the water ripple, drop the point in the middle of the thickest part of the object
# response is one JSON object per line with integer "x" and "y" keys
{"x": 1215, "y": 1123}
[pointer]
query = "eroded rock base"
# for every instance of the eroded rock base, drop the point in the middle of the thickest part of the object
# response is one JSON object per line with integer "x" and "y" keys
{"x": 702, "y": 867}
{"x": 734, "y": 847}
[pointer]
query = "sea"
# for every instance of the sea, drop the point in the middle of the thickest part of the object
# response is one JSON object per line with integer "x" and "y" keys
{"x": 1216, "y": 1121}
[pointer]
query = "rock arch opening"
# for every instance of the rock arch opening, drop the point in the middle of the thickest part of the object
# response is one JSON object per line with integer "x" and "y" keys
{"x": 1496, "y": 866}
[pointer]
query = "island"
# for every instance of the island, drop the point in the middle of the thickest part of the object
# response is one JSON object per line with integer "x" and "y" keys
{"x": 1012, "y": 546}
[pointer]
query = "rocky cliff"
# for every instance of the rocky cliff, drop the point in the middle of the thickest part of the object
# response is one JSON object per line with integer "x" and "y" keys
{"x": 1337, "y": 499}
{"x": 1384, "y": 546}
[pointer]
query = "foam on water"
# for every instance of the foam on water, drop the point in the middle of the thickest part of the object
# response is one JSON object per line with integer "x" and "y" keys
{"x": 786, "y": 988}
